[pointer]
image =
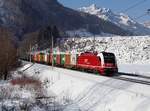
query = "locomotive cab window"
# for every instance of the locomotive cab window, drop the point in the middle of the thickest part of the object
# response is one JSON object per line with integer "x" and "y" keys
{"x": 109, "y": 58}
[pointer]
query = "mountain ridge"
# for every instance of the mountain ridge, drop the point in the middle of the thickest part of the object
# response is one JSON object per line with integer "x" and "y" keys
{"x": 24, "y": 16}
{"x": 122, "y": 20}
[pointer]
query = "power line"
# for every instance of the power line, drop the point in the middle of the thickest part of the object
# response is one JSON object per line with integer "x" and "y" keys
{"x": 145, "y": 14}
{"x": 140, "y": 16}
{"x": 133, "y": 6}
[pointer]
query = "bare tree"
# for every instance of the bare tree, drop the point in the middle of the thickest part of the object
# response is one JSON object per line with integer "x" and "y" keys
{"x": 30, "y": 41}
{"x": 8, "y": 53}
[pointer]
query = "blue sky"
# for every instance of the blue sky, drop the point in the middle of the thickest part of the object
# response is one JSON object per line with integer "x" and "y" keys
{"x": 114, "y": 5}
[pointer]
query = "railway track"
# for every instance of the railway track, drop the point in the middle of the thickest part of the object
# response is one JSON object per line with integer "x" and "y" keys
{"x": 134, "y": 75}
{"x": 133, "y": 78}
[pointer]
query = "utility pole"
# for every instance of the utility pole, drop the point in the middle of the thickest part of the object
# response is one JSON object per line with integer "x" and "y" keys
{"x": 94, "y": 43}
{"x": 52, "y": 49}
{"x": 30, "y": 52}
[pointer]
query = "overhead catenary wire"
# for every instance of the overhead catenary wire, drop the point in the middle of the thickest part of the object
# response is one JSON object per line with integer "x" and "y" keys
{"x": 144, "y": 14}
{"x": 133, "y": 6}
{"x": 140, "y": 16}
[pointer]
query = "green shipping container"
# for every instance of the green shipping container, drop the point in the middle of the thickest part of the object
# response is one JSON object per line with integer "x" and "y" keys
{"x": 54, "y": 59}
{"x": 62, "y": 58}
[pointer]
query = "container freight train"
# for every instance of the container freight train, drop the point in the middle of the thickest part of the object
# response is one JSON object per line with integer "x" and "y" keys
{"x": 103, "y": 63}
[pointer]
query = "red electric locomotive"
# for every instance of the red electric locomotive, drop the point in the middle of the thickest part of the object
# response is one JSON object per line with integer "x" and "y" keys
{"x": 103, "y": 63}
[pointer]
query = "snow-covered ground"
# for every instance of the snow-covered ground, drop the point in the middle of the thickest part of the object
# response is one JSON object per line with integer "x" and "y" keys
{"x": 142, "y": 69}
{"x": 88, "y": 92}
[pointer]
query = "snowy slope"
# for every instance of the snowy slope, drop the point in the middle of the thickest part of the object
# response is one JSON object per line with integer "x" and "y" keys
{"x": 91, "y": 92}
{"x": 134, "y": 49}
{"x": 122, "y": 20}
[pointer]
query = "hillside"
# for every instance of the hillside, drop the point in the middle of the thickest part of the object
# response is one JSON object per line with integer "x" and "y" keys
{"x": 23, "y": 16}
{"x": 129, "y": 49}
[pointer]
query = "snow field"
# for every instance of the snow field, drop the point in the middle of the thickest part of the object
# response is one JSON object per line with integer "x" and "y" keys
{"x": 89, "y": 92}
{"x": 12, "y": 97}
{"x": 143, "y": 69}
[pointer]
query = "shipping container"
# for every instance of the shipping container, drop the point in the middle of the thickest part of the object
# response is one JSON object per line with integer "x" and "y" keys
{"x": 46, "y": 58}
{"x": 42, "y": 57}
{"x": 74, "y": 59}
{"x": 62, "y": 59}
{"x": 58, "y": 61}
{"x": 54, "y": 59}
{"x": 50, "y": 58}
{"x": 68, "y": 59}
{"x": 38, "y": 57}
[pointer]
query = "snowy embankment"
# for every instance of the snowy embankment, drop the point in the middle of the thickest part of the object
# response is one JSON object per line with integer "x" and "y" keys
{"x": 89, "y": 92}
{"x": 142, "y": 69}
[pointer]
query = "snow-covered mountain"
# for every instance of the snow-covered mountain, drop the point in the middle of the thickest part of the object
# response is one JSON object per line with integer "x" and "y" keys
{"x": 147, "y": 24}
{"x": 121, "y": 20}
{"x": 25, "y": 16}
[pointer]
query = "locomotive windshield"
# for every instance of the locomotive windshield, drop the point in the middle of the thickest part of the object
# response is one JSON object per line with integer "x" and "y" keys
{"x": 109, "y": 58}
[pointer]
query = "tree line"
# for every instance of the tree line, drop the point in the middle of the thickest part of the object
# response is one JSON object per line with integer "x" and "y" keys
{"x": 9, "y": 53}
{"x": 39, "y": 40}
